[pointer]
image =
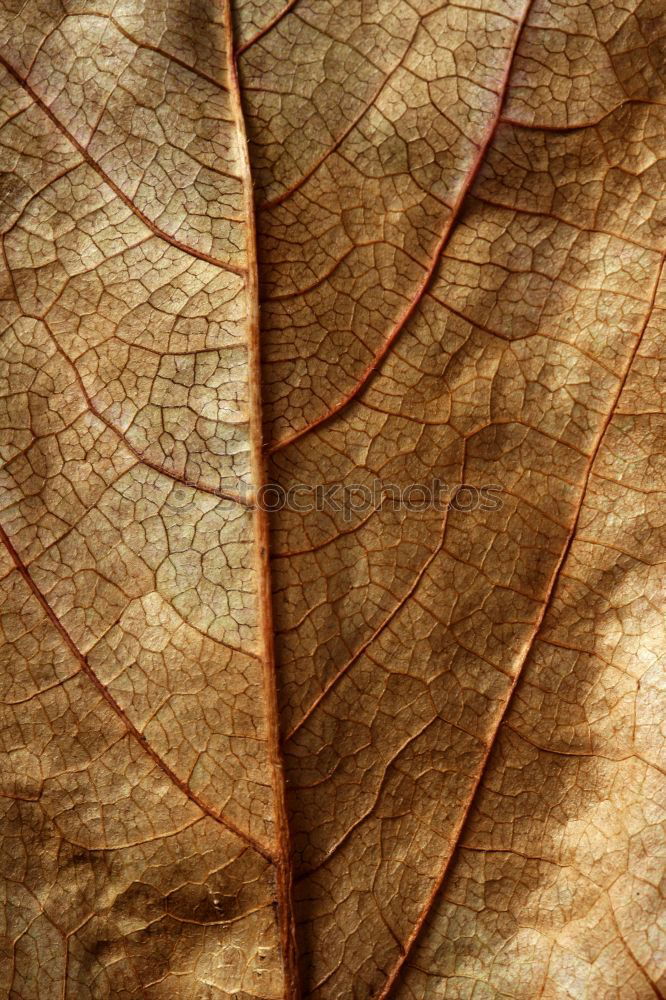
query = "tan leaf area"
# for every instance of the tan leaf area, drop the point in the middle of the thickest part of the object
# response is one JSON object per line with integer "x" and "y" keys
{"x": 394, "y": 752}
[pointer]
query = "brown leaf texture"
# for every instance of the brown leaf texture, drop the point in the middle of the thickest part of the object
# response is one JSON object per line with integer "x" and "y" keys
{"x": 396, "y": 754}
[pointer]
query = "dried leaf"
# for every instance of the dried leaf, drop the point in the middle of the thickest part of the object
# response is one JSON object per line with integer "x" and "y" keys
{"x": 417, "y": 752}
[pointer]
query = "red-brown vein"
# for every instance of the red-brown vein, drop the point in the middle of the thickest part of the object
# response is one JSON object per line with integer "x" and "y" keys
{"x": 231, "y": 495}
{"x": 113, "y": 704}
{"x": 460, "y": 826}
{"x": 576, "y": 126}
{"x": 312, "y": 169}
{"x": 83, "y": 152}
{"x": 345, "y": 668}
{"x": 283, "y": 860}
{"x": 383, "y": 351}
{"x": 267, "y": 27}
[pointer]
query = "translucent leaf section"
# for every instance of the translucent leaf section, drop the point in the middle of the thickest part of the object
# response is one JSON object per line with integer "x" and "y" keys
{"x": 138, "y": 832}
{"x": 419, "y": 756}
{"x": 461, "y": 227}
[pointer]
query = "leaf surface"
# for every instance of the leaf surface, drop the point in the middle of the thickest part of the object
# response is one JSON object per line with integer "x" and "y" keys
{"x": 416, "y": 753}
